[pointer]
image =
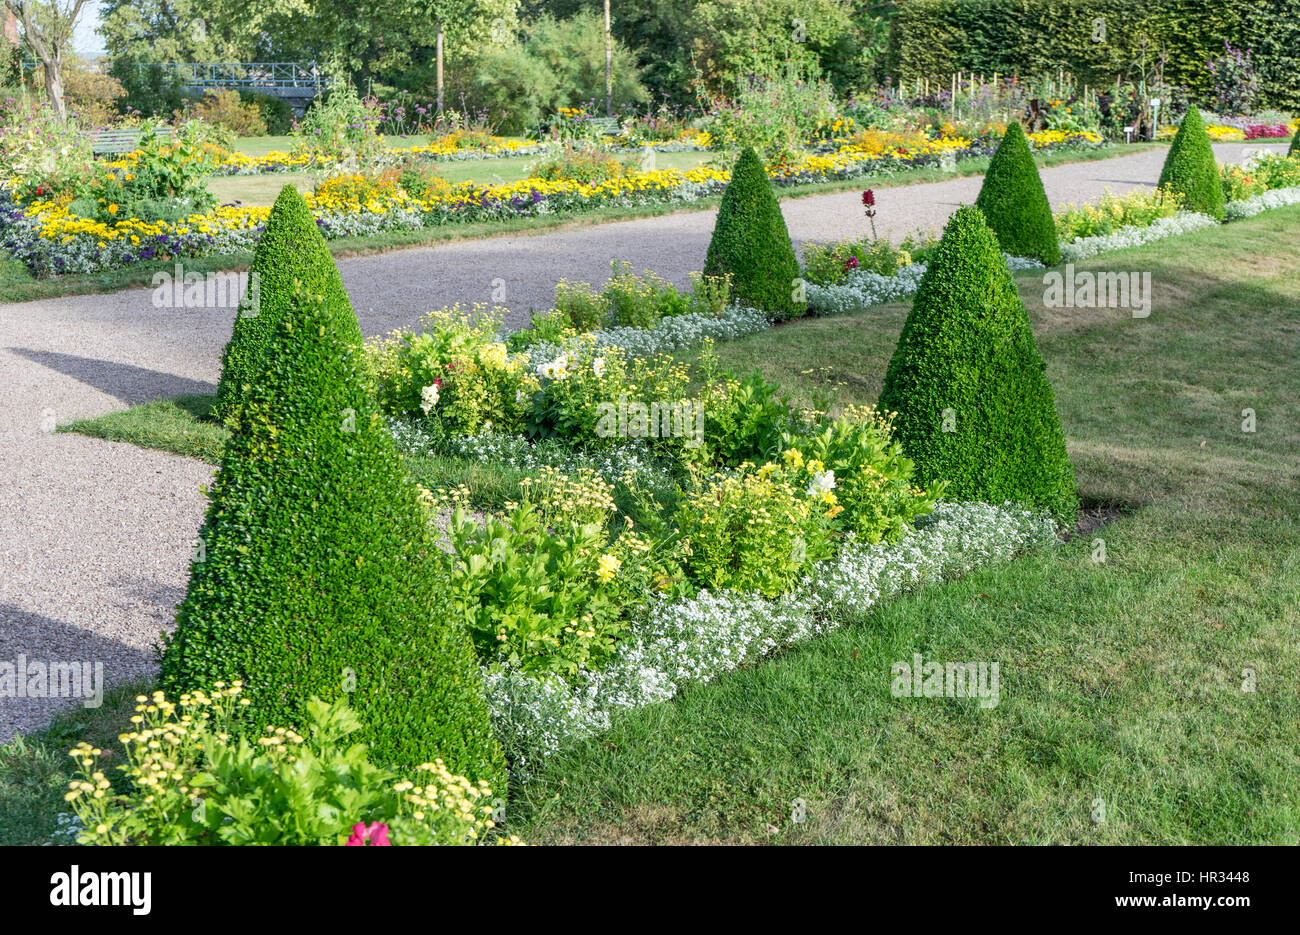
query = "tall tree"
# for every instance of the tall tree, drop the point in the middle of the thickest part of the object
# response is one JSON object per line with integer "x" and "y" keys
{"x": 47, "y": 30}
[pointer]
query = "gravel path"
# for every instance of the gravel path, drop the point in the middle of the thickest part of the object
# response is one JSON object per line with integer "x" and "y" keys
{"x": 95, "y": 537}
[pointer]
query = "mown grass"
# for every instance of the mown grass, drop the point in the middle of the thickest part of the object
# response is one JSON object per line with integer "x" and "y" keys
{"x": 18, "y": 285}
{"x": 183, "y": 426}
{"x": 34, "y": 770}
{"x": 1122, "y": 681}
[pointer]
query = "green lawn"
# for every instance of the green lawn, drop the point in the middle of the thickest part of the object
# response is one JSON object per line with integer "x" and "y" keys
{"x": 1121, "y": 681}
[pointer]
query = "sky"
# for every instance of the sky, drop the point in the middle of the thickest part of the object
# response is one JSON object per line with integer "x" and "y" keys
{"x": 85, "y": 40}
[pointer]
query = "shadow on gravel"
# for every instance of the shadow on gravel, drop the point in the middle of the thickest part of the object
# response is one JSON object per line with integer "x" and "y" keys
{"x": 126, "y": 382}
{"x": 44, "y": 645}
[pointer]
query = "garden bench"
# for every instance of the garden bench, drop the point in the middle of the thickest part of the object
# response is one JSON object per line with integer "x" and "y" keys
{"x": 605, "y": 126}
{"x": 122, "y": 141}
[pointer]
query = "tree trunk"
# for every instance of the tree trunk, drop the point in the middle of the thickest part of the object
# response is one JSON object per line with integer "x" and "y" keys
{"x": 440, "y": 68}
{"x": 609, "y": 67}
{"x": 54, "y": 86}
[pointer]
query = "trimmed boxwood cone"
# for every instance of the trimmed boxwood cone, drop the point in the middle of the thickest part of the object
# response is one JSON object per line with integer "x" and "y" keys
{"x": 751, "y": 242}
{"x": 290, "y": 251}
{"x": 1190, "y": 169}
{"x": 1014, "y": 203}
{"x": 969, "y": 387}
{"x": 316, "y": 571}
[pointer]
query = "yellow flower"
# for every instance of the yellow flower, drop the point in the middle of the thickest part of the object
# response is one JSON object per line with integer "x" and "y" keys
{"x": 609, "y": 566}
{"x": 112, "y": 209}
{"x": 792, "y": 458}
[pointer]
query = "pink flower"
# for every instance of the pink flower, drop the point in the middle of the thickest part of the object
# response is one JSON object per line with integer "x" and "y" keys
{"x": 374, "y": 835}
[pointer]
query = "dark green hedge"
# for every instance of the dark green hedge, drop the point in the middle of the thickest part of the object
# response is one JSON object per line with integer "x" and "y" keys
{"x": 752, "y": 244}
{"x": 318, "y": 572}
{"x": 933, "y": 38}
{"x": 970, "y": 389}
{"x": 1190, "y": 169}
{"x": 1015, "y": 204}
{"x": 291, "y": 253}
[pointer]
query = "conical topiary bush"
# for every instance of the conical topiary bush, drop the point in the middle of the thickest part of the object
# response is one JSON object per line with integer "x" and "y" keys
{"x": 751, "y": 242}
{"x": 316, "y": 572}
{"x": 1295, "y": 144}
{"x": 1190, "y": 169}
{"x": 970, "y": 390}
{"x": 290, "y": 250}
{"x": 1015, "y": 204}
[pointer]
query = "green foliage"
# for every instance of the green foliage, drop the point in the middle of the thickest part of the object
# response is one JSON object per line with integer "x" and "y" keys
{"x": 529, "y": 592}
{"x": 744, "y": 417}
{"x": 204, "y": 782}
{"x": 166, "y": 179}
{"x": 580, "y": 164}
{"x": 751, "y": 243}
{"x": 291, "y": 250}
{"x": 560, "y": 64}
{"x": 1190, "y": 170}
{"x": 316, "y": 571}
{"x": 584, "y": 383}
{"x": 1294, "y": 150}
{"x": 774, "y": 115}
{"x": 456, "y": 372}
{"x": 1112, "y": 212}
{"x": 342, "y": 125}
{"x": 969, "y": 387}
{"x": 1014, "y": 203}
{"x": 827, "y": 264}
{"x": 733, "y": 39}
{"x": 277, "y": 113}
{"x": 869, "y": 474}
{"x": 1038, "y": 37}
{"x": 752, "y": 529}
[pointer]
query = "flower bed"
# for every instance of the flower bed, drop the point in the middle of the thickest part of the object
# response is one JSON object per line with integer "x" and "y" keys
{"x": 695, "y": 640}
{"x": 50, "y": 240}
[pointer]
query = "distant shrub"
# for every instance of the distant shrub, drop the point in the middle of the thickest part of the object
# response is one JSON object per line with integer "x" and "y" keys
{"x": 1191, "y": 171}
{"x": 226, "y": 108}
{"x": 751, "y": 243}
{"x": 1014, "y": 203}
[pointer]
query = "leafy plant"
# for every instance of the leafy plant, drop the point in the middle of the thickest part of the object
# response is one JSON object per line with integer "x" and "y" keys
{"x": 531, "y": 595}
{"x": 291, "y": 253}
{"x": 315, "y": 573}
{"x": 1190, "y": 170}
{"x": 1014, "y": 203}
{"x": 455, "y": 372}
{"x": 751, "y": 529}
{"x": 745, "y": 418}
{"x": 974, "y": 407}
{"x": 868, "y": 472}
{"x": 829, "y": 264}
{"x": 1112, "y": 212}
{"x": 342, "y": 125}
{"x": 192, "y": 776}
{"x": 751, "y": 243}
